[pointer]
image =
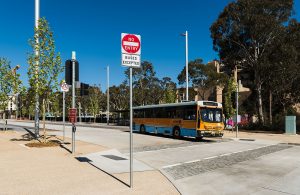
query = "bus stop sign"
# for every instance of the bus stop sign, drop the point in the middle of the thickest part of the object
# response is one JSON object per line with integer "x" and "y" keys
{"x": 72, "y": 115}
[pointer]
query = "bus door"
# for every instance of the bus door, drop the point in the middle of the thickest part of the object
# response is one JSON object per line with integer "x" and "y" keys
{"x": 198, "y": 117}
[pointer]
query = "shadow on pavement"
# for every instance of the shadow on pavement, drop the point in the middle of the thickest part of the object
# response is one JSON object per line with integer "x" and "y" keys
{"x": 87, "y": 160}
{"x": 190, "y": 139}
{"x": 25, "y": 137}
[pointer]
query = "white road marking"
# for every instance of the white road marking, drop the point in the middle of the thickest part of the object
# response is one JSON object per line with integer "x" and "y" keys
{"x": 212, "y": 157}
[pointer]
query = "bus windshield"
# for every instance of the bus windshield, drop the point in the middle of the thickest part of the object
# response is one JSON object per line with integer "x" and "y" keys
{"x": 211, "y": 115}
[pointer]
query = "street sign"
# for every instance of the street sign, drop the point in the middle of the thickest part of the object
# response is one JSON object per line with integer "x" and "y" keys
{"x": 64, "y": 87}
{"x": 131, "y": 60}
{"x": 72, "y": 115}
{"x": 131, "y": 44}
{"x": 131, "y": 57}
{"x": 131, "y": 50}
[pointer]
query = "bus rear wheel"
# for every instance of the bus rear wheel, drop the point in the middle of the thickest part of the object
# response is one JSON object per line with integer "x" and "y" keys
{"x": 176, "y": 132}
{"x": 142, "y": 129}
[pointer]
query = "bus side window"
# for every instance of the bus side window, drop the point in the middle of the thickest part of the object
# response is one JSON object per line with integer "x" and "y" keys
{"x": 179, "y": 112}
{"x": 148, "y": 113}
{"x": 190, "y": 114}
{"x": 135, "y": 114}
{"x": 170, "y": 113}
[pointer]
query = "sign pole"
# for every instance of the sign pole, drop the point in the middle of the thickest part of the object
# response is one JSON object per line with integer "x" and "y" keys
{"x": 131, "y": 57}
{"x": 64, "y": 115}
{"x": 131, "y": 144}
{"x": 107, "y": 113}
{"x": 73, "y": 78}
{"x": 64, "y": 88}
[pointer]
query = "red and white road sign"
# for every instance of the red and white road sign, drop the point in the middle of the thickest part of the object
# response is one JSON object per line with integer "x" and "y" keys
{"x": 64, "y": 87}
{"x": 131, "y": 44}
{"x": 72, "y": 115}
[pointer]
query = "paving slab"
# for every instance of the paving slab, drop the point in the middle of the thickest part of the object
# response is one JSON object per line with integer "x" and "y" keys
{"x": 55, "y": 171}
{"x": 171, "y": 156}
{"x": 112, "y": 161}
{"x": 274, "y": 173}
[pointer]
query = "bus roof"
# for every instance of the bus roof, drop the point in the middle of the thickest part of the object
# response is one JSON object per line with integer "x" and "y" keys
{"x": 200, "y": 103}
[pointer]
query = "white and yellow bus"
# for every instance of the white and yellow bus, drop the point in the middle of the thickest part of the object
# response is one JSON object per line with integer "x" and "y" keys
{"x": 187, "y": 119}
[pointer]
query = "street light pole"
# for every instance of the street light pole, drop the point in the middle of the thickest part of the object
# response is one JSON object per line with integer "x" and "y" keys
{"x": 186, "y": 65}
{"x": 36, "y": 118}
{"x": 73, "y": 99}
{"x": 73, "y": 78}
{"x": 107, "y": 112}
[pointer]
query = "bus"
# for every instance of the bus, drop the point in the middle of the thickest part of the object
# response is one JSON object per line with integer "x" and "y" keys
{"x": 195, "y": 119}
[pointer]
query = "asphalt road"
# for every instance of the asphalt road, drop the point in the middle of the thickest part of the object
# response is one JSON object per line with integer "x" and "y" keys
{"x": 213, "y": 166}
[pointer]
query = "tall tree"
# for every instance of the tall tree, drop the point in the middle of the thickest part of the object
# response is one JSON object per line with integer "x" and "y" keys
{"x": 146, "y": 86}
{"x": 284, "y": 62}
{"x": 119, "y": 98}
{"x": 204, "y": 77}
{"x": 245, "y": 31}
{"x": 44, "y": 81}
{"x": 169, "y": 90}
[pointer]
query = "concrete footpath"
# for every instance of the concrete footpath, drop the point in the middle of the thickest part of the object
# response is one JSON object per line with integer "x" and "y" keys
{"x": 264, "y": 135}
{"x": 53, "y": 170}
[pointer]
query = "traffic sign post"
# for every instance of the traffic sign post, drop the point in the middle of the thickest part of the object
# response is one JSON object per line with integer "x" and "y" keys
{"x": 72, "y": 115}
{"x": 131, "y": 50}
{"x": 131, "y": 57}
{"x": 131, "y": 60}
{"x": 64, "y": 88}
{"x": 73, "y": 119}
{"x": 131, "y": 44}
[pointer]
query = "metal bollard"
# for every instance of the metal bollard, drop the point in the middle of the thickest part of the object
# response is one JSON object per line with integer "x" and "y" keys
{"x": 73, "y": 138}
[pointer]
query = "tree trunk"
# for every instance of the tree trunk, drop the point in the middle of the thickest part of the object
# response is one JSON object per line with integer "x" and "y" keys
{"x": 259, "y": 99}
{"x": 44, "y": 120}
{"x": 3, "y": 116}
{"x": 270, "y": 107}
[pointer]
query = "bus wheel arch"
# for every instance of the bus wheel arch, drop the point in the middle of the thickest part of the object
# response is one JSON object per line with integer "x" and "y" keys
{"x": 142, "y": 129}
{"x": 176, "y": 132}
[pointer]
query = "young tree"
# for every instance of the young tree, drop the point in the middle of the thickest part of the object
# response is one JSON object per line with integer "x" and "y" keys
{"x": 229, "y": 110}
{"x": 94, "y": 100}
{"x": 44, "y": 80}
{"x": 10, "y": 83}
{"x": 245, "y": 31}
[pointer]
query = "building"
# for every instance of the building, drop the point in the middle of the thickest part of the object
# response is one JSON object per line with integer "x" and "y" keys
{"x": 10, "y": 110}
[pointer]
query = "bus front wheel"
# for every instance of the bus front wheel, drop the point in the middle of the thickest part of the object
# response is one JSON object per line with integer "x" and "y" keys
{"x": 176, "y": 132}
{"x": 142, "y": 129}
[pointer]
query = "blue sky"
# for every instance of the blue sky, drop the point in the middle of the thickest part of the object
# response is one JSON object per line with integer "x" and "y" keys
{"x": 93, "y": 29}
